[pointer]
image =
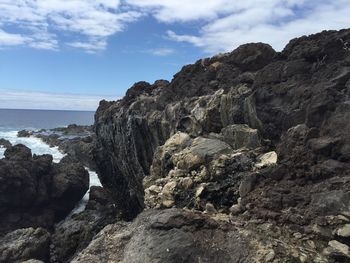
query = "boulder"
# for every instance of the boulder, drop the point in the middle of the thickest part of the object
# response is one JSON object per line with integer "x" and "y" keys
{"x": 36, "y": 192}
{"x": 240, "y": 135}
{"x": 74, "y": 233}
{"x": 25, "y": 244}
{"x": 171, "y": 235}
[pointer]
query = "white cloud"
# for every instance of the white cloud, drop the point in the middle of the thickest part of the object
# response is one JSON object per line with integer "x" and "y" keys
{"x": 227, "y": 24}
{"x": 7, "y": 39}
{"x": 221, "y": 24}
{"x": 162, "y": 52}
{"x": 10, "y": 99}
{"x": 87, "y": 19}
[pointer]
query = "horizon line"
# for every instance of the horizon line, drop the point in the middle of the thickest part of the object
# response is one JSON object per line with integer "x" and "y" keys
{"x": 47, "y": 109}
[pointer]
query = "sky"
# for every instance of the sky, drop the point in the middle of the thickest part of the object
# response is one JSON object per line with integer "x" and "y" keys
{"x": 69, "y": 54}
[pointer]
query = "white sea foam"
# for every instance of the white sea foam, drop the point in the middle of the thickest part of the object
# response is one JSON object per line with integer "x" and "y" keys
{"x": 94, "y": 181}
{"x": 35, "y": 144}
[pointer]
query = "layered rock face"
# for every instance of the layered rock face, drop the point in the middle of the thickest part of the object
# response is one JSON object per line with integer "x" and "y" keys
{"x": 260, "y": 134}
{"x": 35, "y": 192}
{"x": 295, "y": 102}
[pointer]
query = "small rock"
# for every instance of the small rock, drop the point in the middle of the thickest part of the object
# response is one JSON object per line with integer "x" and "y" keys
{"x": 236, "y": 209}
{"x": 168, "y": 203}
{"x": 344, "y": 231}
{"x": 199, "y": 191}
{"x": 297, "y": 235}
{"x": 210, "y": 209}
{"x": 270, "y": 256}
{"x": 169, "y": 188}
{"x": 186, "y": 183}
{"x": 267, "y": 159}
{"x": 154, "y": 189}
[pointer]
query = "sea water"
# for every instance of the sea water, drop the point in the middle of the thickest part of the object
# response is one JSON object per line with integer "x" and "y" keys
{"x": 12, "y": 121}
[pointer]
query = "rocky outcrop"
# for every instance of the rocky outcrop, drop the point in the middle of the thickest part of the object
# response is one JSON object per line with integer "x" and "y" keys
{"x": 25, "y": 244}
{"x": 73, "y": 234}
{"x": 260, "y": 134}
{"x": 172, "y": 235}
{"x": 5, "y": 143}
{"x": 35, "y": 192}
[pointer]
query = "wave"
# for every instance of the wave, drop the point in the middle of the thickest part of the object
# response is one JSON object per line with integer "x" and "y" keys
{"x": 35, "y": 144}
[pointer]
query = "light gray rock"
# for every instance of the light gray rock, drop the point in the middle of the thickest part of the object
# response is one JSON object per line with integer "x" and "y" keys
{"x": 171, "y": 235}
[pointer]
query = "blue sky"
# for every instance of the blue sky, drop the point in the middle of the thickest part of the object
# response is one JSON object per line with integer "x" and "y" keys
{"x": 69, "y": 54}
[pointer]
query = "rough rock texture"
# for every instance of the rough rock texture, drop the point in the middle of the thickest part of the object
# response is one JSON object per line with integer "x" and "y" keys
{"x": 25, "y": 244}
{"x": 261, "y": 134}
{"x": 172, "y": 235}
{"x": 34, "y": 191}
{"x": 73, "y": 234}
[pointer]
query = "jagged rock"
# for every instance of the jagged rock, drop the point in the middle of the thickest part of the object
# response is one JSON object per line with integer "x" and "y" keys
{"x": 34, "y": 191}
{"x": 5, "y": 143}
{"x": 73, "y": 234}
{"x": 266, "y": 159}
{"x": 25, "y": 244}
{"x": 24, "y": 133}
{"x": 171, "y": 235}
{"x": 239, "y": 136}
{"x": 344, "y": 231}
{"x": 281, "y": 117}
{"x": 201, "y": 151}
{"x": 337, "y": 250}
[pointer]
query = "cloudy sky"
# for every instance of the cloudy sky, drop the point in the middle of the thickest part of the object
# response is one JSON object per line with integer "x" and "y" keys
{"x": 68, "y": 54}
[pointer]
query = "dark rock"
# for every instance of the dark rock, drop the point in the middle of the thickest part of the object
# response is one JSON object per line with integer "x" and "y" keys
{"x": 36, "y": 192}
{"x": 5, "y": 143}
{"x": 24, "y": 133}
{"x": 296, "y": 100}
{"x": 25, "y": 244}
{"x": 75, "y": 233}
{"x": 18, "y": 152}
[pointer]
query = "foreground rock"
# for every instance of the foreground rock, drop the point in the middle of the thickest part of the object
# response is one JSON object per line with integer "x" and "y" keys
{"x": 25, "y": 244}
{"x": 73, "y": 234}
{"x": 35, "y": 192}
{"x": 167, "y": 236}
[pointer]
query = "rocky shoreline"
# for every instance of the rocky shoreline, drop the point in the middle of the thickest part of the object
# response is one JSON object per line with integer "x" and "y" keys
{"x": 242, "y": 157}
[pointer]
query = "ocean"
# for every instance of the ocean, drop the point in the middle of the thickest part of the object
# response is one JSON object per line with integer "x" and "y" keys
{"x": 12, "y": 121}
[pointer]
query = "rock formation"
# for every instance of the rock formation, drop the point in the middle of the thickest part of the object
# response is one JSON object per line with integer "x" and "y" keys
{"x": 260, "y": 134}
{"x": 35, "y": 192}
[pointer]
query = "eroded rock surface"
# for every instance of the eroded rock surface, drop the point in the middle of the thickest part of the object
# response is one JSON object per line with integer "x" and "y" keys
{"x": 35, "y": 192}
{"x": 25, "y": 244}
{"x": 263, "y": 135}
{"x": 172, "y": 235}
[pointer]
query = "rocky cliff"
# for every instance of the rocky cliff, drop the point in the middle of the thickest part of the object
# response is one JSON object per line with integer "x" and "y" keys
{"x": 257, "y": 134}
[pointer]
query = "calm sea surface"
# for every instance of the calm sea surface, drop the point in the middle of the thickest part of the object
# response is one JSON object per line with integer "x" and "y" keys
{"x": 42, "y": 119}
